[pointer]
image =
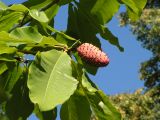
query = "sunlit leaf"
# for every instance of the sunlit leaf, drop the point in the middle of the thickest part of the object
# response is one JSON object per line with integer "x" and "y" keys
{"x": 48, "y": 41}
{"x": 3, "y": 6}
{"x": 131, "y": 4}
{"x": 7, "y": 50}
{"x": 39, "y": 16}
{"x": 18, "y": 7}
{"x": 134, "y": 8}
{"x": 87, "y": 84}
{"x": 8, "y": 19}
{"x": 26, "y": 34}
{"x": 50, "y": 79}
{"x": 61, "y": 33}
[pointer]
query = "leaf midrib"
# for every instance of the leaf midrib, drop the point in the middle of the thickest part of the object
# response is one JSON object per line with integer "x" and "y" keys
{"x": 50, "y": 77}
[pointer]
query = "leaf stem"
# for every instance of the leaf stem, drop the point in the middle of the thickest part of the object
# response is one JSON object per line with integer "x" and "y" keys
{"x": 74, "y": 44}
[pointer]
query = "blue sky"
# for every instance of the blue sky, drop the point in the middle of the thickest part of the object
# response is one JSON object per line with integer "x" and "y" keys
{"x": 121, "y": 75}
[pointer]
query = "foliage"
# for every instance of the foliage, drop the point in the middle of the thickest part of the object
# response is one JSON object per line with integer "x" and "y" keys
{"x": 147, "y": 32}
{"x": 50, "y": 76}
{"x": 144, "y": 105}
{"x": 138, "y": 106}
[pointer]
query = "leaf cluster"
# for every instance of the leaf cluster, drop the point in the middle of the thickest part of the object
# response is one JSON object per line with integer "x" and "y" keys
{"x": 39, "y": 67}
{"x": 139, "y": 105}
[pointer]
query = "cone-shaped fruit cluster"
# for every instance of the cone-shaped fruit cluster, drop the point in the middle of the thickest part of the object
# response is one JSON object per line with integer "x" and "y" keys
{"x": 93, "y": 55}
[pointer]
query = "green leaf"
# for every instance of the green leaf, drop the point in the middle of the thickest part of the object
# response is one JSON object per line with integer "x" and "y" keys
{"x": 80, "y": 74}
{"x": 45, "y": 115}
{"x": 7, "y": 39}
{"x": 106, "y": 34}
{"x": 134, "y": 8}
{"x": 11, "y": 76}
{"x": 104, "y": 10}
{"x": 3, "y": 6}
{"x": 23, "y": 35}
{"x": 7, "y": 57}
{"x": 8, "y": 19}
{"x": 37, "y": 4}
{"x": 8, "y": 80}
{"x": 3, "y": 96}
{"x": 140, "y": 4}
{"x": 39, "y": 16}
{"x": 63, "y": 2}
{"x": 89, "y": 68}
{"x": 61, "y": 33}
{"x": 99, "y": 102}
{"x": 78, "y": 27}
{"x": 48, "y": 41}
{"x": 131, "y": 4}
{"x": 18, "y": 8}
{"x": 78, "y": 18}
{"x": 72, "y": 27}
{"x": 52, "y": 11}
{"x": 19, "y": 107}
{"x": 7, "y": 50}
{"x": 28, "y": 34}
{"x": 50, "y": 79}
{"x": 102, "y": 107}
{"x": 3, "y": 67}
{"x": 86, "y": 83}
{"x": 76, "y": 108}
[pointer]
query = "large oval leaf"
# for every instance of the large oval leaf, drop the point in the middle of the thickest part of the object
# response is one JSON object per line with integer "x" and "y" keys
{"x": 50, "y": 79}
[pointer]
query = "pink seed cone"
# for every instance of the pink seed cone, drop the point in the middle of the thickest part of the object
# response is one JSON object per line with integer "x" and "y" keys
{"x": 93, "y": 55}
